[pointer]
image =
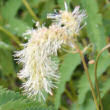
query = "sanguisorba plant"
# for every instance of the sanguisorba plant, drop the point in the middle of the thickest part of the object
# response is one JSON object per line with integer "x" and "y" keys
{"x": 40, "y": 71}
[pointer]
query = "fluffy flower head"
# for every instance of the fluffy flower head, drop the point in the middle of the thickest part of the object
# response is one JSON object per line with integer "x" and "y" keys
{"x": 69, "y": 20}
{"x": 39, "y": 69}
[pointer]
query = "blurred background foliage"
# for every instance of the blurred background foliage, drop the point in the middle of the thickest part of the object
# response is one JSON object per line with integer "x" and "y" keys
{"x": 73, "y": 92}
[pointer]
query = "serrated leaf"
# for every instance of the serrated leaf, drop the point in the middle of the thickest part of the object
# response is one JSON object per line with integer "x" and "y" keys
{"x": 106, "y": 102}
{"x": 95, "y": 29}
{"x": 70, "y": 63}
{"x": 34, "y": 3}
{"x": 84, "y": 86}
{"x": 19, "y": 104}
{"x": 14, "y": 25}
{"x": 10, "y": 100}
{"x": 7, "y": 95}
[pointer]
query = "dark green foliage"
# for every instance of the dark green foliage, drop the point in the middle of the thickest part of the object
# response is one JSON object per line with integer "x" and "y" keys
{"x": 10, "y": 100}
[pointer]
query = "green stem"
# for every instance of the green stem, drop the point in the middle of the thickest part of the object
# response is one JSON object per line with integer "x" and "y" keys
{"x": 96, "y": 80}
{"x": 87, "y": 73}
{"x": 13, "y": 37}
{"x": 30, "y": 10}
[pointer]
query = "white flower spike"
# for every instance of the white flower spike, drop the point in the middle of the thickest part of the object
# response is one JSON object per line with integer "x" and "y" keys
{"x": 39, "y": 70}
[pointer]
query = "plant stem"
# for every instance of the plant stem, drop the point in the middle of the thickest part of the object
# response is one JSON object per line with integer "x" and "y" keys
{"x": 13, "y": 37}
{"x": 96, "y": 80}
{"x": 30, "y": 10}
{"x": 87, "y": 73}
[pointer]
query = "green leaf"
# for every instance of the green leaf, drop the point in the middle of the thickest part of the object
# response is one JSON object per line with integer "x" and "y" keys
{"x": 3, "y": 45}
{"x": 84, "y": 86}
{"x": 89, "y": 105}
{"x": 7, "y": 95}
{"x": 23, "y": 104}
{"x": 19, "y": 104}
{"x": 10, "y": 100}
{"x": 95, "y": 29}
{"x": 17, "y": 26}
{"x": 45, "y": 11}
{"x": 70, "y": 63}
{"x": 105, "y": 87}
{"x": 6, "y": 62}
{"x": 10, "y": 9}
{"x": 28, "y": 19}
